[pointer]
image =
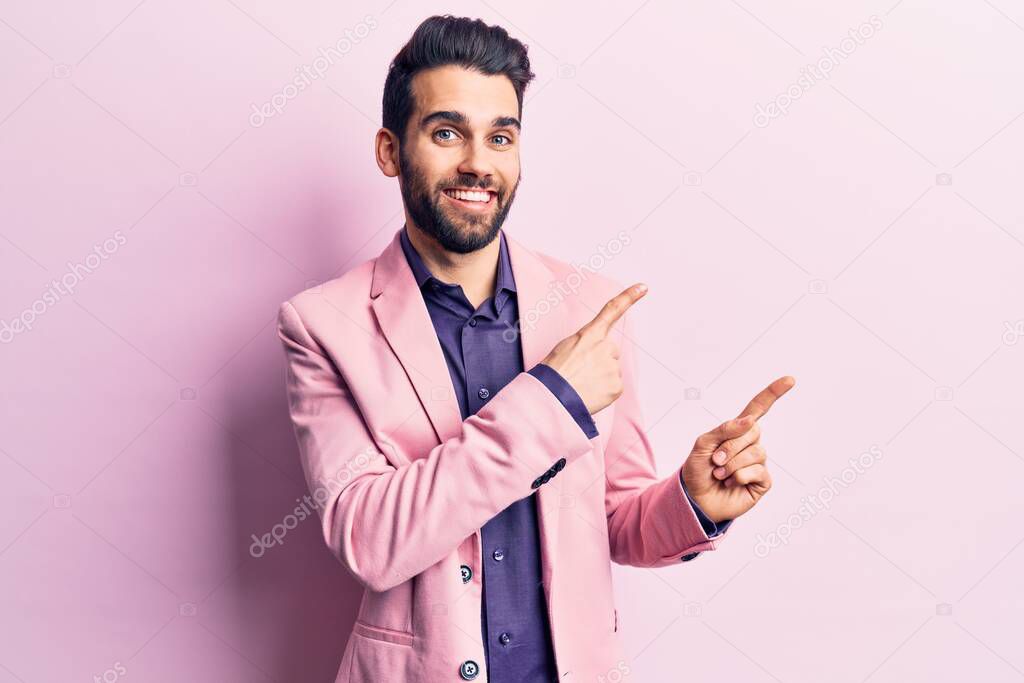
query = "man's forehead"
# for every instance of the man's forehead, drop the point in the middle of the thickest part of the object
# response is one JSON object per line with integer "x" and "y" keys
{"x": 479, "y": 97}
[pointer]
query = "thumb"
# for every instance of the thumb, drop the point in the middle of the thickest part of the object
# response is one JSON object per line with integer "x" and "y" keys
{"x": 729, "y": 429}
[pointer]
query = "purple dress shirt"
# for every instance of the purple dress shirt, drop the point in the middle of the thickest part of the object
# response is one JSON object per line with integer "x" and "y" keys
{"x": 481, "y": 360}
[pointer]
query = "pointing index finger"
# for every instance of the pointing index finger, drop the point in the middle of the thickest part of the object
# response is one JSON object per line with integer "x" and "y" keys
{"x": 760, "y": 404}
{"x": 614, "y": 309}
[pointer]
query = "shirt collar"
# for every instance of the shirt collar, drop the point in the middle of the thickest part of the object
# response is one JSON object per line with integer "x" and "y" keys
{"x": 503, "y": 287}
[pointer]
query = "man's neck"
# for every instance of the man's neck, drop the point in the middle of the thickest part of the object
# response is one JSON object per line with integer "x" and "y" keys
{"x": 476, "y": 272}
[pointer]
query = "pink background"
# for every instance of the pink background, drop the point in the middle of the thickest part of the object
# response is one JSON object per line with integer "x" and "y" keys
{"x": 868, "y": 242}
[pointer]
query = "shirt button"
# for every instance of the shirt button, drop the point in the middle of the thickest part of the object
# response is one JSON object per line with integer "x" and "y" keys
{"x": 505, "y": 638}
{"x": 467, "y": 573}
{"x": 498, "y": 555}
{"x": 472, "y": 322}
{"x": 483, "y": 393}
{"x": 469, "y": 670}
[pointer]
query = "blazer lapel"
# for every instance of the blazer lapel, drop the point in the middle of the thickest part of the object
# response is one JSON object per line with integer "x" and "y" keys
{"x": 542, "y": 324}
{"x": 405, "y": 321}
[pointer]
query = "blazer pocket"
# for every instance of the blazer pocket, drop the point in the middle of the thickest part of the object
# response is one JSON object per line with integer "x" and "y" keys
{"x": 386, "y": 635}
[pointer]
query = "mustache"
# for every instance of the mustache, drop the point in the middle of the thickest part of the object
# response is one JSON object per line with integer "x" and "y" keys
{"x": 470, "y": 184}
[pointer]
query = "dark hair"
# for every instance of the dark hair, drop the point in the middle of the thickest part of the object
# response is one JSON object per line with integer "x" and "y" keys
{"x": 443, "y": 40}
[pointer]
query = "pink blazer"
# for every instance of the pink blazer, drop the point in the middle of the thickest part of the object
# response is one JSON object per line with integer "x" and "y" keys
{"x": 404, "y": 484}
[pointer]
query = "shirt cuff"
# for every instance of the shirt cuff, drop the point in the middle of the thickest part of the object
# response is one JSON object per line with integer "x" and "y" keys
{"x": 568, "y": 397}
{"x": 710, "y": 528}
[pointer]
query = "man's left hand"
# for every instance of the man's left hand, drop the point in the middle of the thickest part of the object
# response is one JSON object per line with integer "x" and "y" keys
{"x": 725, "y": 473}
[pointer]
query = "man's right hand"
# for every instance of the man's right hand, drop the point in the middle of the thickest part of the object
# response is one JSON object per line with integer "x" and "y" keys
{"x": 588, "y": 361}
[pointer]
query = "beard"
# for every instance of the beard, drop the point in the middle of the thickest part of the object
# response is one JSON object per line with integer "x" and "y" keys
{"x": 423, "y": 205}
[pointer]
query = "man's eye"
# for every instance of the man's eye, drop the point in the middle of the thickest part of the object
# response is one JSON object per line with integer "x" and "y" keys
{"x": 508, "y": 140}
{"x": 444, "y": 130}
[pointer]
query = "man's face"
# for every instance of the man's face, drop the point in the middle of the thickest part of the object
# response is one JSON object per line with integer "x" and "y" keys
{"x": 463, "y": 135}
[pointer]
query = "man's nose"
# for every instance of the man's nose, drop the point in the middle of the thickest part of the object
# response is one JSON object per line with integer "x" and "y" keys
{"x": 477, "y": 161}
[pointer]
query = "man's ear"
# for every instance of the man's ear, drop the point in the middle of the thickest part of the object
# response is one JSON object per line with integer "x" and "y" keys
{"x": 386, "y": 150}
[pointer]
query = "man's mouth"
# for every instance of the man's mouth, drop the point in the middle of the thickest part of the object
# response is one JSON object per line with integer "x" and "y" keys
{"x": 477, "y": 200}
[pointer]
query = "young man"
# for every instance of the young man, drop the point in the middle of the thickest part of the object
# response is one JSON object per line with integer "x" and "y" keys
{"x": 478, "y": 475}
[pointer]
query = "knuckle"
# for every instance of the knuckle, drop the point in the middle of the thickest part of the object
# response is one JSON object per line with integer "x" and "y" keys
{"x": 740, "y": 461}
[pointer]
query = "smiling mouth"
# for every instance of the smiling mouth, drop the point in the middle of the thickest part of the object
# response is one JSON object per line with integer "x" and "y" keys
{"x": 470, "y": 199}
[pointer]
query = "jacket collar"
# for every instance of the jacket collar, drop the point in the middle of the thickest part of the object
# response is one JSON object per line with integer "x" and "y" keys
{"x": 406, "y": 324}
{"x": 505, "y": 282}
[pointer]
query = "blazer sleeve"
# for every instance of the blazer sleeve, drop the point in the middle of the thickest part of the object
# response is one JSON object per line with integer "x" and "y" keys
{"x": 384, "y": 523}
{"x": 650, "y": 520}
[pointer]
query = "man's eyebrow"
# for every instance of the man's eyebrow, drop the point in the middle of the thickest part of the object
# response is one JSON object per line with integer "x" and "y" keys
{"x": 452, "y": 116}
{"x": 507, "y": 122}
{"x": 459, "y": 118}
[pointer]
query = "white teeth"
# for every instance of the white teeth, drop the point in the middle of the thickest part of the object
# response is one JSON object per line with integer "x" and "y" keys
{"x": 470, "y": 196}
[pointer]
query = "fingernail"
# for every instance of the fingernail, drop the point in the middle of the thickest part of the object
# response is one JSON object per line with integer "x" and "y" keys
{"x": 719, "y": 472}
{"x": 719, "y": 457}
{"x": 641, "y": 288}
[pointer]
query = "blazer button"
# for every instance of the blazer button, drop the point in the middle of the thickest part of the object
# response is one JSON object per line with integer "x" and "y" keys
{"x": 483, "y": 393}
{"x": 467, "y": 573}
{"x": 469, "y": 670}
{"x": 498, "y": 555}
{"x": 559, "y": 465}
